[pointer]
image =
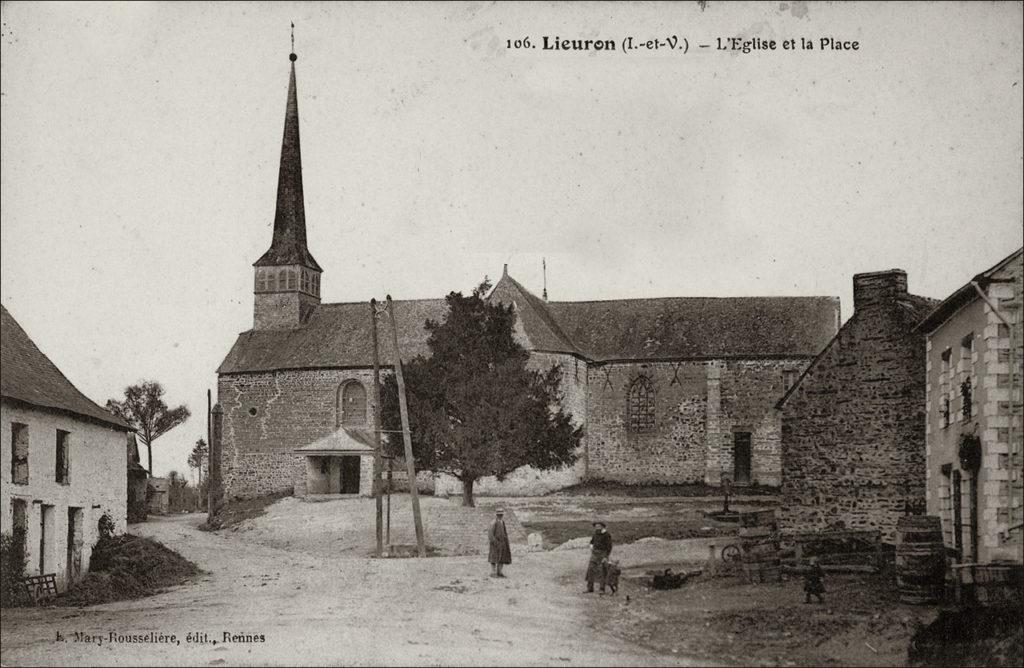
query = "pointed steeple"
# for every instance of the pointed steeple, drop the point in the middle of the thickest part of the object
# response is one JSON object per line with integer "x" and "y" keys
{"x": 289, "y": 243}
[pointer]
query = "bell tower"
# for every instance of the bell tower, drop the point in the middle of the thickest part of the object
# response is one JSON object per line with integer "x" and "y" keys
{"x": 287, "y": 278}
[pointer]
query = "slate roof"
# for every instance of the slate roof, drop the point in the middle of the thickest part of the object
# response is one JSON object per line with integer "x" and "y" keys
{"x": 27, "y": 375}
{"x": 343, "y": 441}
{"x": 338, "y": 335}
{"x": 699, "y": 327}
{"x": 289, "y": 242}
{"x": 964, "y": 295}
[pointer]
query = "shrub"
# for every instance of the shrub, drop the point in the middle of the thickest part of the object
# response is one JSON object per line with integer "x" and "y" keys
{"x": 12, "y": 568}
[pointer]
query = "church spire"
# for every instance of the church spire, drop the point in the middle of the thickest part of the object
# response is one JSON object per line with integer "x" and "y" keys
{"x": 289, "y": 242}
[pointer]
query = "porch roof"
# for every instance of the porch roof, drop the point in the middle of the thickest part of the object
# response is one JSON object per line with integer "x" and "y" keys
{"x": 343, "y": 441}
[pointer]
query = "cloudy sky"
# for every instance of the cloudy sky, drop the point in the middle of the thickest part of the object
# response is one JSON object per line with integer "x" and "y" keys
{"x": 140, "y": 146}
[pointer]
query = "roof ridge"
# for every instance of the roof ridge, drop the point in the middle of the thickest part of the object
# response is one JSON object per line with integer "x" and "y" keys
{"x": 651, "y": 299}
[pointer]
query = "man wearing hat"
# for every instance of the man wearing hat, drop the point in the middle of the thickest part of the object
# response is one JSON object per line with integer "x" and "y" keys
{"x": 499, "y": 553}
{"x": 600, "y": 550}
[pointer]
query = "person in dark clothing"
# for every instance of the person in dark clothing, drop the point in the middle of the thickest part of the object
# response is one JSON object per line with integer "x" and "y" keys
{"x": 813, "y": 585}
{"x": 600, "y": 550}
{"x": 498, "y": 552}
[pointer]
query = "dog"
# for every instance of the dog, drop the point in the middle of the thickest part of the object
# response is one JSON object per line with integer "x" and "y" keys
{"x": 611, "y": 575}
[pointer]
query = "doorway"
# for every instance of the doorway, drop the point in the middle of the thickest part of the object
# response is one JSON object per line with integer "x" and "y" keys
{"x": 741, "y": 457}
{"x": 45, "y": 538}
{"x": 350, "y": 475}
{"x": 75, "y": 542}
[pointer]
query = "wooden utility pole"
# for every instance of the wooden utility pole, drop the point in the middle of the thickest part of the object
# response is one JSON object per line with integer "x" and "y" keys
{"x": 377, "y": 467}
{"x": 209, "y": 414}
{"x": 410, "y": 466}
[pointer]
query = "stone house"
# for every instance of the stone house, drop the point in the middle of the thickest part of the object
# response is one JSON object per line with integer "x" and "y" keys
{"x": 853, "y": 441}
{"x": 671, "y": 390}
{"x": 63, "y": 460}
{"x": 973, "y": 400}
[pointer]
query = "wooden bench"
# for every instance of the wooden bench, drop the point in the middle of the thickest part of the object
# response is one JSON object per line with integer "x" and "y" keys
{"x": 41, "y": 587}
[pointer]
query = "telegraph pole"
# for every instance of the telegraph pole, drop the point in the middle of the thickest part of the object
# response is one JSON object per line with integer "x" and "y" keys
{"x": 377, "y": 468}
{"x": 406, "y": 435}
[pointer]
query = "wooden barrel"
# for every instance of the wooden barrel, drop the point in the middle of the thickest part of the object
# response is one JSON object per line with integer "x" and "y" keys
{"x": 762, "y": 562}
{"x": 920, "y": 559}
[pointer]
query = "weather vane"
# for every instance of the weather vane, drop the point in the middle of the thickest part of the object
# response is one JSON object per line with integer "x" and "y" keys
{"x": 293, "y": 36}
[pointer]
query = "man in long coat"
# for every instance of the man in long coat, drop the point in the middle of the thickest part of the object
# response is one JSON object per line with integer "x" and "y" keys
{"x": 600, "y": 550}
{"x": 499, "y": 553}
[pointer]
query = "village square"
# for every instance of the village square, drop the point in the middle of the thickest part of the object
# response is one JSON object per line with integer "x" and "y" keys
{"x": 782, "y": 429}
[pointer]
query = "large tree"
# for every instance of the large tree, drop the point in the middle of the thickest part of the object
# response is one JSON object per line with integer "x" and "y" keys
{"x": 143, "y": 408}
{"x": 475, "y": 408}
{"x": 197, "y": 459}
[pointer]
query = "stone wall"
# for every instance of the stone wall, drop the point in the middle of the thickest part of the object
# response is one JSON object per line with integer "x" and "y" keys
{"x": 97, "y": 485}
{"x": 268, "y": 415}
{"x": 853, "y": 429}
{"x": 699, "y": 406}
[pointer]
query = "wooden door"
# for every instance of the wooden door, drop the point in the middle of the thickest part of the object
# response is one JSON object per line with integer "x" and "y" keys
{"x": 741, "y": 458}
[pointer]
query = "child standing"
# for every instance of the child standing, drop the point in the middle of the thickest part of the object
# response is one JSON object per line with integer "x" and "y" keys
{"x": 813, "y": 585}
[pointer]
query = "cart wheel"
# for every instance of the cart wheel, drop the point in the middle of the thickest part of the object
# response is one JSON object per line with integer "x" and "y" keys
{"x": 730, "y": 553}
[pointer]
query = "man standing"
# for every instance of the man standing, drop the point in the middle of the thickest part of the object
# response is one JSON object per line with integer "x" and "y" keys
{"x": 600, "y": 550}
{"x": 499, "y": 553}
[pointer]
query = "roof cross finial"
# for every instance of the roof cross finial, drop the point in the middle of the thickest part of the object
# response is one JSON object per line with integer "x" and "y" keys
{"x": 292, "y": 55}
{"x": 544, "y": 266}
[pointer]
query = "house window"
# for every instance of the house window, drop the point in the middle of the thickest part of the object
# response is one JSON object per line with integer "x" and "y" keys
{"x": 640, "y": 405}
{"x": 789, "y": 377}
{"x": 965, "y": 394}
{"x": 947, "y": 354}
{"x": 967, "y": 346}
{"x": 945, "y": 411}
{"x": 352, "y": 404}
{"x": 19, "y": 453}
{"x": 63, "y": 459}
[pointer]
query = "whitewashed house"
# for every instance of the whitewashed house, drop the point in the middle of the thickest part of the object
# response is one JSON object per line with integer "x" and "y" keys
{"x": 63, "y": 460}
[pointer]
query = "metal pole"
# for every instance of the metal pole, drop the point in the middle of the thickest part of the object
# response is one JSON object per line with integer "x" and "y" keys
{"x": 376, "y": 428}
{"x": 406, "y": 435}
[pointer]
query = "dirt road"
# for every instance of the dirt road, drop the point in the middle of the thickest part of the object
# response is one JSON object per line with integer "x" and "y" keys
{"x": 307, "y": 609}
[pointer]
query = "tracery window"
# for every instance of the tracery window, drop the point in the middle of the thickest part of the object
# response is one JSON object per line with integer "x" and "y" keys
{"x": 640, "y": 407}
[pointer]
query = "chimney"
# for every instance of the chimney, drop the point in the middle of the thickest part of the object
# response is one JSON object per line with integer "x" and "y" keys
{"x": 878, "y": 287}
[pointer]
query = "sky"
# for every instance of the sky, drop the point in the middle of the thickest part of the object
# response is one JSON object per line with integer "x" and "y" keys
{"x": 139, "y": 147}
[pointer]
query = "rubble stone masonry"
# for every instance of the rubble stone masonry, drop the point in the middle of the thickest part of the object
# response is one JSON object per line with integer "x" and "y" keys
{"x": 853, "y": 428}
{"x": 268, "y": 415}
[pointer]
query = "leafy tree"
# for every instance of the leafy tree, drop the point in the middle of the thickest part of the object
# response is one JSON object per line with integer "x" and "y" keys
{"x": 143, "y": 408}
{"x": 475, "y": 409}
{"x": 197, "y": 458}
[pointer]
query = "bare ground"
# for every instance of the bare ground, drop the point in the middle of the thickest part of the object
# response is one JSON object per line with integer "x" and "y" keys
{"x": 318, "y": 609}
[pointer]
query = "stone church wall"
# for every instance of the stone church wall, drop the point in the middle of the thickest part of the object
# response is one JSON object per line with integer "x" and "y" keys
{"x": 699, "y": 405}
{"x": 268, "y": 415}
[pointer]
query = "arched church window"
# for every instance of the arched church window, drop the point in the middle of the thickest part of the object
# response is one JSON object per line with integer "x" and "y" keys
{"x": 640, "y": 406}
{"x": 352, "y": 404}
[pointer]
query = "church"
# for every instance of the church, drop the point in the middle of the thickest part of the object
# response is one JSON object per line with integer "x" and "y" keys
{"x": 667, "y": 390}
